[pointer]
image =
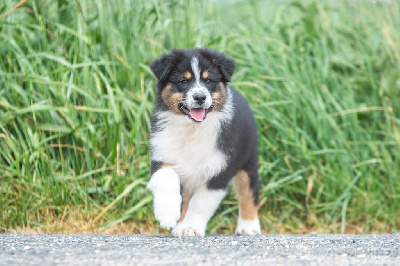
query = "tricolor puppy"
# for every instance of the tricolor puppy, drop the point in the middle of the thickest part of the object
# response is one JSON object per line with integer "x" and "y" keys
{"x": 203, "y": 136}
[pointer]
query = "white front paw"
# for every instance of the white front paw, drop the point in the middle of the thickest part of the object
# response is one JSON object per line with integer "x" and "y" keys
{"x": 185, "y": 229}
{"x": 248, "y": 227}
{"x": 167, "y": 210}
{"x": 165, "y": 186}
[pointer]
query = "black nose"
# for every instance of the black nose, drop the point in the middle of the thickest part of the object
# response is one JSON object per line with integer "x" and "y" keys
{"x": 199, "y": 97}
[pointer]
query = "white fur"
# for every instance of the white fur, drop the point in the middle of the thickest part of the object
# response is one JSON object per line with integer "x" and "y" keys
{"x": 191, "y": 148}
{"x": 165, "y": 186}
{"x": 248, "y": 227}
{"x": 202, "y": 206}
{"x": 197, "y": 88}
{"x": 195, "y": 68}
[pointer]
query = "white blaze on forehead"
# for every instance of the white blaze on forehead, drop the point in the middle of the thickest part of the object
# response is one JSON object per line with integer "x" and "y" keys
{"x": 196, "y": 68}
{"x": 197, "y": 88}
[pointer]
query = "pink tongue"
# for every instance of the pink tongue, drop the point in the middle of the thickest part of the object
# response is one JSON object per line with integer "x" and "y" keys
{"x": 197, "y": 114}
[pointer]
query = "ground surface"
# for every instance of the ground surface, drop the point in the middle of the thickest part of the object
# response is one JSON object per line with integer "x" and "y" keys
{"x": 92, "y": 249}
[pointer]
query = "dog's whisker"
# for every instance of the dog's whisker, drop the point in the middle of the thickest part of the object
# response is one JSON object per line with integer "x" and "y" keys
{"x": 215, "y": 101}
{"x": 182, "y": 105}
{"x": 179, "y": 101}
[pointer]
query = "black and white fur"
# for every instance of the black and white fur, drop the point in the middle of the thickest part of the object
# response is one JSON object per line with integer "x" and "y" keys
{"x": 203, "y": 135}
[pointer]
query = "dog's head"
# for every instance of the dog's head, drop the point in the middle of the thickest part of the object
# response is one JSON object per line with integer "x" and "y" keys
{"x": 192, "y": 82}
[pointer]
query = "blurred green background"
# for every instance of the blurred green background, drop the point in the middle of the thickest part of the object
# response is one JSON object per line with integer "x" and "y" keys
{"x": 76, "y": 95}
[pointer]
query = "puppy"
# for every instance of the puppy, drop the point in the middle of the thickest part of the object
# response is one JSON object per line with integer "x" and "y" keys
{"x": 203, "y": 136}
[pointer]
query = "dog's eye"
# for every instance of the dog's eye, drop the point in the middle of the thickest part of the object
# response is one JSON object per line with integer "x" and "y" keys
{"x": 208, "y": 81}
{"x": 184, "y": 81}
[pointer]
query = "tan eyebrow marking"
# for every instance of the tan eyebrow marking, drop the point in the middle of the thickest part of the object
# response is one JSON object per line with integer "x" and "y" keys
{"x": 206, "y": 74}
{"x": 187, "y": 75}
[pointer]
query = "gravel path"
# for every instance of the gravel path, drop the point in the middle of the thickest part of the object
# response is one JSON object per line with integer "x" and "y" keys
{"x": 93, "y": 249}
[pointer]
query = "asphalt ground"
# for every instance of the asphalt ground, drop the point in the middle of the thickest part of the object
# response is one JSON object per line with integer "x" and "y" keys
{"x": 96, "y": 249}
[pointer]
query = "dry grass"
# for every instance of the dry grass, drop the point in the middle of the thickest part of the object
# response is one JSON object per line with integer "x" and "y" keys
{"x": 79, "y": 223}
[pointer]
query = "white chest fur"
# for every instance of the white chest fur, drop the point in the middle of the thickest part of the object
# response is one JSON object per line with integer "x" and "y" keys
{"x": 190, "y": 149}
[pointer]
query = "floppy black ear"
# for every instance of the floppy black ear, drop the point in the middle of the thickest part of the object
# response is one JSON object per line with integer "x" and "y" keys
{"x": 226, "y": 65}
{"x": 162, "y": 66}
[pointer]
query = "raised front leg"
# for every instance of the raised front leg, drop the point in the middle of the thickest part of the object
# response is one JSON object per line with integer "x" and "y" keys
{"x": 165, "y": 186}
{"x": 201, "y": 207}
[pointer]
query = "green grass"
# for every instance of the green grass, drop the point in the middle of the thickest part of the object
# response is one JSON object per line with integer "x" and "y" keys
{"x": 76, "y": 93}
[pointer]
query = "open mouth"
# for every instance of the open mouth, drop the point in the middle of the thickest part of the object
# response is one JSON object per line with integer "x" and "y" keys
{"x": 196, "y": 114}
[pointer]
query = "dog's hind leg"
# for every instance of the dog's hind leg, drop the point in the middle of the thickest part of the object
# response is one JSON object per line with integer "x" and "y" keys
{"x": 246, "y": 189}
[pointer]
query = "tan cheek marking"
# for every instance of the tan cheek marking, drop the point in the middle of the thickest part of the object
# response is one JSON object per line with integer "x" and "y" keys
{"x": 206, "y": 74}
{"x": 171, "y": 99}
{"x": 185, "y": 204}
{"x": 188, "y": 75}
{"x": 241, "y": 184}
{"x": 220, "y": 96}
